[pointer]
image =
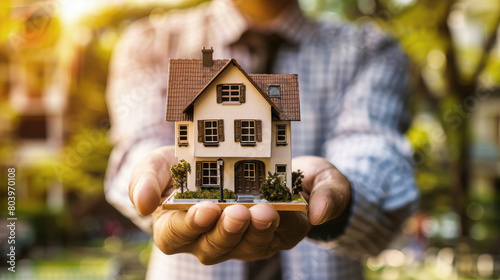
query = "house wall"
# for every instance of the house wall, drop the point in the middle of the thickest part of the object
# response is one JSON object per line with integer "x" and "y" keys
{"x": 255, "y": 107}
{"x": 279, "y": 155}
{"x": 184, "y": 152}
{"x": 229, "y": 180}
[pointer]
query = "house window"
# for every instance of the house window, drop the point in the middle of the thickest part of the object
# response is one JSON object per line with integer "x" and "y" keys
{"x": 281, "y": 134}
{"x": 231, "y": 93}
{"x": 281, "y": 171}
{"x": 274, "y": 91}
{"x": 210, "y": 132}
{"x": 249, "y": 171}
{"x": 183, "y": 135}
{"x": 209, "y": 174}
{"x": 247, "y": 132}
{"x": 33, "y": 127}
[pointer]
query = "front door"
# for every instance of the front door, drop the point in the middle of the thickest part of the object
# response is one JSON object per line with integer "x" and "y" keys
{"x": 248, "y": 176}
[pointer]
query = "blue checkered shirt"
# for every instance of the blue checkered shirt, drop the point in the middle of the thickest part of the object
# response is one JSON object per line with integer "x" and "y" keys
{"x": 352, "y": 89}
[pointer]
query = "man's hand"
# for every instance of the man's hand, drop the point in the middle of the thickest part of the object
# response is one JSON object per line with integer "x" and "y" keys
{"x": 213, "y": 235}
{"x": 326, "y": 190}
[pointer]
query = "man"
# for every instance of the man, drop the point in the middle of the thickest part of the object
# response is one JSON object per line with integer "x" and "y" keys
{"x": 349, "y": 143}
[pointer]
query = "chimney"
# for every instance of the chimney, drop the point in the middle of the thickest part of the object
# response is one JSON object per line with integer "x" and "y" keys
{"x": 207, "y": 57}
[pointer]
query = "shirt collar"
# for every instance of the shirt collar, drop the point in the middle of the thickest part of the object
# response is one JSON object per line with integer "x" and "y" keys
{"x": 291, "y": 24}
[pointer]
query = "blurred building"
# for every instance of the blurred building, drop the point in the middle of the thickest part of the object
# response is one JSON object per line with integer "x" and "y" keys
{"x": 34, "y": 88}
{"x": 485, "y": 150}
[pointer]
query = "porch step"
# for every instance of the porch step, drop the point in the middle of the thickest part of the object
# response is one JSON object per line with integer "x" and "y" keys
{"x": 245, "y": 198}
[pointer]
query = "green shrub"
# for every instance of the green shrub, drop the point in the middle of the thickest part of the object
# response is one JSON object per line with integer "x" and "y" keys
{"x": 205, "y": 194}
{"x": 297, "y": 177}
{"x": 179, "y": 174}
{"x": 274, "y": 189}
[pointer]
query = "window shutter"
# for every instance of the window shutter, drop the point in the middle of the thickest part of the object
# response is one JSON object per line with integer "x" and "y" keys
{"x": 219, "y": 93}
{"x": 258, "y": 130}
{"x": 242, "y": 93}
{"x": 201, "y": 130}
{"x": 220, "y": 130}
{"x": 237, "y": 130}
{"x": 198, "y": 173}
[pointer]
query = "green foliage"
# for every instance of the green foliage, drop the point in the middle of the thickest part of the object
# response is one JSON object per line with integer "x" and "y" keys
{"x": 179, "y": 174}
{"x": 206, "y": 194}
{"x": 274, "y": 189}
{"x": 297, "y": 177}
{"x": 297, "y": 198}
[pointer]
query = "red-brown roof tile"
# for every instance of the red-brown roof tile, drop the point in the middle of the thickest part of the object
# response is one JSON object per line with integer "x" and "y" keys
{"x": 288, "y": 102}
{"x": 188, "y": 78}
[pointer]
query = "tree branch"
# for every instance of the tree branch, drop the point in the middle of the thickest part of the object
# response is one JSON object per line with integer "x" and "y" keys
{"x": 490, "y": 43}
{"x": 452, "y": 72}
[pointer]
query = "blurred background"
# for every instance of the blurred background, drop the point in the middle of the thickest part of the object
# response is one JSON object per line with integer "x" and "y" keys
{"x": 54, "y": 57}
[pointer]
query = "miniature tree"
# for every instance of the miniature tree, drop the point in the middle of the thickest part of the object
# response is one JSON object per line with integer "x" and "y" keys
{"x": 274, "y": 189}
{"x": 297, "y": 177}
{"x": 179, "y": 174}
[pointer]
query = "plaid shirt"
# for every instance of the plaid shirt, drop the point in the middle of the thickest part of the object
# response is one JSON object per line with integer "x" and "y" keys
{"x": 353, "y": 89}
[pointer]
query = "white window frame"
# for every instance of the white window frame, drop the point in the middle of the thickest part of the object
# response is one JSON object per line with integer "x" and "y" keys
{"x": 230, "y": 93}
{"x": 249, "y": 171}
{"x": 248, "y": 131}
{"x": 183, "y": 128}
{"x": 209, "y": 172}
{"x": 278, "y": 129}
{"x": 283, "y": 174}
{"x": 214, "y": 131}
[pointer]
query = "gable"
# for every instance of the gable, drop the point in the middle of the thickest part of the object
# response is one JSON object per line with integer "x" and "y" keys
{"x": 206, "y": 105}
{"x": 188, "y": 79}
{"x": 224, "y": 69}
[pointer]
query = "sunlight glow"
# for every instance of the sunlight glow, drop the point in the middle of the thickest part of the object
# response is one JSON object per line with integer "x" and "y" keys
{"x": 71, "y": 11}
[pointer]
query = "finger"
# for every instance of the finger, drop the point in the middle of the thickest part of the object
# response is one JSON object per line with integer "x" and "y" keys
{"x": 178, "y": 231}
{"x": 311, "y": 166}
{"x": 151, "y": 178}
{"x": 329, "y": 197}
{"x": 284, "y": 238}
{"x": 327, "y": 190}
{"x": 257, "y": 240}
{"x": 226, "y": 234}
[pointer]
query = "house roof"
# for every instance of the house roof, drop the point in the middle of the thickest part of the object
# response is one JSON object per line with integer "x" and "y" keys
{"x": 188, "y": 79}
{"x": 288, "y": 102}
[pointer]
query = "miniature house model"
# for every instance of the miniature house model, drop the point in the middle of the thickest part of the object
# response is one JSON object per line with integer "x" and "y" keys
{"x": 232, "y": 127}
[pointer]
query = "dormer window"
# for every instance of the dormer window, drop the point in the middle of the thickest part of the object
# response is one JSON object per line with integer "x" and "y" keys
{"x": 274, "y": 91}
{"x": 231, "y": 93}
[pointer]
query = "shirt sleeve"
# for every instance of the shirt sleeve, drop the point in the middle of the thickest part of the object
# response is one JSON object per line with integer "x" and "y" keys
{"x": 136, "y": 103}
{"x": 367, "y": 145}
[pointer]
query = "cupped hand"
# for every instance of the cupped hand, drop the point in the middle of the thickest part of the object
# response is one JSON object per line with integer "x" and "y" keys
{"x": 213, "y": 235}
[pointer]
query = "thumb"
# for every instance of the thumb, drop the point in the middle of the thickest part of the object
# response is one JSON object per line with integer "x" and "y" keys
{"x": 326, "y": 203}
{"x": 328, "y": 191}
{"x": 151, "y": 180}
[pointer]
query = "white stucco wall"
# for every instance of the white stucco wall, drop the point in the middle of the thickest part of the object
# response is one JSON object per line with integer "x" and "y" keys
{"x": 279, "y": 155}
{"x": 254, "y": 108}
{"x": 184, "y": 152}
{"x": 229, "y": 180}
